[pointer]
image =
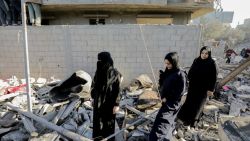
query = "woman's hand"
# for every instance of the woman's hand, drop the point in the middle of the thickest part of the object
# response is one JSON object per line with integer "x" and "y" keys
{"x": 164, "y": 100}
{"x": 210, "y": 93}
{"x": 115, "y": 109}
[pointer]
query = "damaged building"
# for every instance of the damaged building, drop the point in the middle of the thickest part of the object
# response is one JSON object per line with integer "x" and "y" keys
{"x": 63, "y": 55}
{"x": 68, "y": 41}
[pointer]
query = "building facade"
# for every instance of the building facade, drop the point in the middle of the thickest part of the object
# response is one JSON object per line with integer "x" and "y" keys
{"x": 136, "y": 32}
{"x": 92, "y": 12}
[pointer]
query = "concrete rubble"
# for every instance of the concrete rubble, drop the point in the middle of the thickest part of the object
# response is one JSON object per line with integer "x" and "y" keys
{"x": 62, "y": 110}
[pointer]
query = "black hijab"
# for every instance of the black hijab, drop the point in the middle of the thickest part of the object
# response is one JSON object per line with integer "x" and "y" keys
{"x": 104, "y": 63}
{"x": 209, "y": 53}
{"x": 201, "y": 66}
{"x": 173, "y": 58}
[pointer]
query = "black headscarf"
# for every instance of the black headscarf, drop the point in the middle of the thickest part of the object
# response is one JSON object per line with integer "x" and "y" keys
{"x": 104, "y": 63}
{"x": 202, "y": 67}
{"x": 173, "y": 58}
{"x": 209, "y": 52}
{"x": 105, "y": 57}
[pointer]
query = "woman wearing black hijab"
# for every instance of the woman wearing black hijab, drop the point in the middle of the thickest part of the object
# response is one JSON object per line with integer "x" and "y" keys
{"x": 202, "y": 78}
{"x": 172, "y": 83}
{"x": 105, "y": 93}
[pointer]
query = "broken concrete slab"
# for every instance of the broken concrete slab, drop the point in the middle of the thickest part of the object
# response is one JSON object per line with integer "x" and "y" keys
{"x": 237, "y": 128}
{"x": 53, "y": 136}
{"x": 17, "y": 135}
{"x": 5, "y": 130}
{"x": 8, "y": 96}
{"x": 236, "y": 107}
{"x": 49, "y": 125}
{"x": 21, "y": 101}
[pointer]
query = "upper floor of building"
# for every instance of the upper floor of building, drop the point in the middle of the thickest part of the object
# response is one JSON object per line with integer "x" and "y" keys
{"x": 78, "y": 12}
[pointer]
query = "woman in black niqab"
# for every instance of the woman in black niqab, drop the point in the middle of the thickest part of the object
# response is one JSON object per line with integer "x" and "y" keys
{"x": 105, "y": 93}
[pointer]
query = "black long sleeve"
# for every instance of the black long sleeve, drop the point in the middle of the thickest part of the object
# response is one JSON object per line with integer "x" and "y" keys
{"x": 213, "y": 77}
{"x": 173, "y": 87}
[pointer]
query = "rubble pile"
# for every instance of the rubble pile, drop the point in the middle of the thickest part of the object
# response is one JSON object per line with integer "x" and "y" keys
{"x": 232, "y": 103}
{"x": 62, "y": 110}
{"x": 140, "y": 102}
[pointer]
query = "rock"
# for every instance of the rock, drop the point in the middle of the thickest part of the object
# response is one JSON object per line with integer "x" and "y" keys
{"x": 53, "y": 136}
{"x": 141, "y": 82}
{"x": 148, "y": 99}
{"x": 180, "y": 133}
{"x": 145, "y": 81}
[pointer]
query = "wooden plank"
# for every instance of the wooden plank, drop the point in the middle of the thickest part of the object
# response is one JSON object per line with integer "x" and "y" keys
{"x": 234, "y": 73}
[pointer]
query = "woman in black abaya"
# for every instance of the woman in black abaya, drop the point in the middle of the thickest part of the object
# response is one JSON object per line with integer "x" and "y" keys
{"x": 202, "y": 78}
{"x": 172, "y": 85}
{"x": 105, "y": 93}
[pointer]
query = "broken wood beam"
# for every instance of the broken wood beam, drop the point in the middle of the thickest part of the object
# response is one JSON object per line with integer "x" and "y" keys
{"x": 29, "y": 126}
{"x": 49, "y": 125}
{"x": 234, "y": 73}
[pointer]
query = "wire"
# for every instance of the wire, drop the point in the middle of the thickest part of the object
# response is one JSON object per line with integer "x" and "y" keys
{"x": 149, "y": 60}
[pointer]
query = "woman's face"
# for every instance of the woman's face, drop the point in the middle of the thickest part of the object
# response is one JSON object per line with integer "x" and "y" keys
{"x": 204, "y": 54}
{"x": 168, "y": 65}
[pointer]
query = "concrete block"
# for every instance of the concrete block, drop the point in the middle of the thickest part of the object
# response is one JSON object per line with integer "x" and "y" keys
{"x": 73, "y": 47}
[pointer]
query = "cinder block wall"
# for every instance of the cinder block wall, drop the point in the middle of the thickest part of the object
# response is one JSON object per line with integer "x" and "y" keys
{"x": 60, "y": 50}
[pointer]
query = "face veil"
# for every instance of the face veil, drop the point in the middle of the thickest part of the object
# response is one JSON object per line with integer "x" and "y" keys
{"x": 104, "y": 63}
